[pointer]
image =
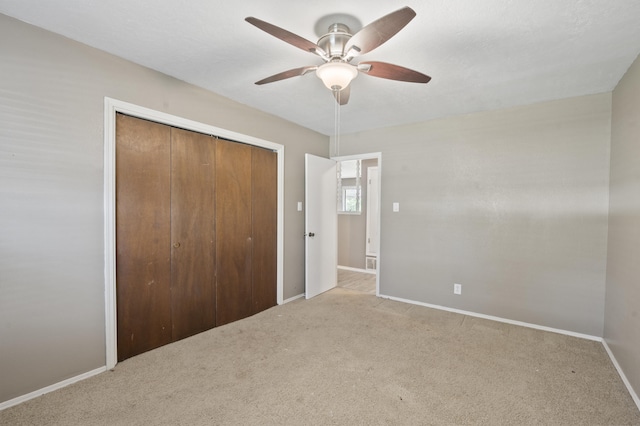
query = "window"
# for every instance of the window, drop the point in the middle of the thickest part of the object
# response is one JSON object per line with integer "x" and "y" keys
{"x": 350, "y": 199}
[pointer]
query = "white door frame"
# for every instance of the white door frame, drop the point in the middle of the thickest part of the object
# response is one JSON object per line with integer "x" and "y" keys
{"x": 113, "y": 106}
{"x": 370, "y": 156}
{"x": 368, "y": 232}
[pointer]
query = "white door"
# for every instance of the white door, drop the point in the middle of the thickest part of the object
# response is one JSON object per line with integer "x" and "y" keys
{"x": 372, "y": 211}
{"x": 321, "y": 225}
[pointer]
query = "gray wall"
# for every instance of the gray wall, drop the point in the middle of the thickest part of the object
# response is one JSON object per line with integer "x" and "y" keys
{"x": 512, "y": 204}
{"x": 352, "y": 228}
{"x": 622, "y": 309}
{"x": 51, "y": 194}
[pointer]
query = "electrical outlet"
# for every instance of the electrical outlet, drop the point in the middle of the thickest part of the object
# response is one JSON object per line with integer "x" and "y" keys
{"x": 457, "y": 289}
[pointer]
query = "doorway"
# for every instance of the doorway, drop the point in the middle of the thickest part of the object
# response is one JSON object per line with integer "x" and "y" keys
{"x": 359, "y": 193}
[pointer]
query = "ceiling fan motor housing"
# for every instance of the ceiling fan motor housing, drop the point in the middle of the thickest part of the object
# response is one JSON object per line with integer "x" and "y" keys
{"x": 334, "y": 42}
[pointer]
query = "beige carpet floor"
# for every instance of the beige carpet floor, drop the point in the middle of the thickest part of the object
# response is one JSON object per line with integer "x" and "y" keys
{"x": 349, "y": 358}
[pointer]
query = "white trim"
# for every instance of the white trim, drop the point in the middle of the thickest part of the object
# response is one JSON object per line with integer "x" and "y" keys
{"x": 111, "y": 107}
{"x": 368, "y": 252}
{"x": 50, "y": 388}
{"x": 364, "y": 271}
{"x": 110, "y": 233}
{"x": 291, "y": 299}
{"x": 499, "y": 319}
{"x": 370, "y": 156}
{"x": 626, "y": 382}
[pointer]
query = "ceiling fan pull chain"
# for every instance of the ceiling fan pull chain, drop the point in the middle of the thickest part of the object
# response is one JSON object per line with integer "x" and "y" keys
{"x": 336, "y": 133}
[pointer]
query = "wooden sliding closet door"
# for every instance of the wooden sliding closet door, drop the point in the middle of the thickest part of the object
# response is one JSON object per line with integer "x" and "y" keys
{"x": 143, "y": 271}
{"x": 264, "y": 217}
{"x": 233, "y": 226}
{"x": 193, "y": 235}
{"x": 196, "y": 222}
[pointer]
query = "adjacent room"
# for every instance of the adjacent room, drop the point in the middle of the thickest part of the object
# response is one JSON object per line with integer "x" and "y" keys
{"x": 484, "y": 219}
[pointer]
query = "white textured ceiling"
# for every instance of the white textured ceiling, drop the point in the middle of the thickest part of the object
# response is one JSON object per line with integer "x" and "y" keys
{"x": 482, "y": 55}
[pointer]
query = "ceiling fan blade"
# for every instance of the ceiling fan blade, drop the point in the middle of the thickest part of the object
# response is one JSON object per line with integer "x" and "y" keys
{"x": 342, "y": 96}
{"x": 392, "y": 72}
{"x": 377, "y": 32}
{"x": 286, "y": 36}
{"x": 287, "y": 74}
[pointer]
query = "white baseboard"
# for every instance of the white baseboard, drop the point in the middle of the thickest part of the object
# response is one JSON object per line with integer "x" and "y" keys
{"x": 499, "y": 319}
{"x": 51, "y": 388}
{"x": 349, "y": 268}
{"x": 626, "y": 382}
{"x": 291, "y": 299}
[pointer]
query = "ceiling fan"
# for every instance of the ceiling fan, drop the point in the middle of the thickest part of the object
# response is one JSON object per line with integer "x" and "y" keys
{"x": 339, "y": 47}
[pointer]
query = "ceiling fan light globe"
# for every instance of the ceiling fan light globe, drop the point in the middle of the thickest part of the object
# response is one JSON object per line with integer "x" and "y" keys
{"x": 336, "y": 75}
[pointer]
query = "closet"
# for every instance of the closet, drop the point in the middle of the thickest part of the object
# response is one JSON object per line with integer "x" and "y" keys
{"x": 195, "y": 233}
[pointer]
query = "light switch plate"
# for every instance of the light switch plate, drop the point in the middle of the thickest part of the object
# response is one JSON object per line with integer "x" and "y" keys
{"x": 299, "y": 206}
{"x": 396, "y": 207}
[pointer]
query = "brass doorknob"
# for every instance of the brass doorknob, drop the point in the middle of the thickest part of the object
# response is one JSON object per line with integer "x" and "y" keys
{"x": 176, "y": 245}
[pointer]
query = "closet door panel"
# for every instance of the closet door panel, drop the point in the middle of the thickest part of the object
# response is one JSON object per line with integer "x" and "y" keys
{"x": 264, "y": 196}
{"x": 233, "y": 231}
{"x": 142, "y": 235}
{"x": 192, "y": 232}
